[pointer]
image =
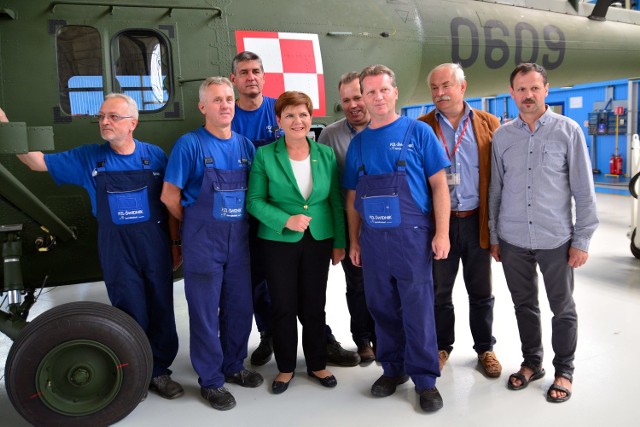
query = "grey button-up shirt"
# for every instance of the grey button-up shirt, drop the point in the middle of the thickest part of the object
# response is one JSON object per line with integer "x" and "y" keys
{"x": 534, "y": 176}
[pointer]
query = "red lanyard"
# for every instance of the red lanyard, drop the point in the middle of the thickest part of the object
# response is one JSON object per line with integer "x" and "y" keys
{"x": 444, "y": 141}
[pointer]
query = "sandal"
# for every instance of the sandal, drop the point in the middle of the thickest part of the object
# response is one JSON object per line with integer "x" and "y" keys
{"x": 538, "y": 372}
{"x": 557, "y": 387}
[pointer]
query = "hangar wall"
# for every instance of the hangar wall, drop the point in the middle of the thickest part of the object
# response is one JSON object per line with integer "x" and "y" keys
{"x": 582, "y": 103}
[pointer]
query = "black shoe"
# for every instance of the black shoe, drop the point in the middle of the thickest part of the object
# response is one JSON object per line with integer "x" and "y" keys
{"x": 328, "y": 382}
{"x": 166, "y": 387}
{"x": 337, "y": 355}
{"x": 262, "y": 354}
{"x": 219, "y": 398}
{"x": 430, "y": 400}
{"x": 386, "y": 386}
{"x": 279, "y": 387}
{"x": 245, "y": 378}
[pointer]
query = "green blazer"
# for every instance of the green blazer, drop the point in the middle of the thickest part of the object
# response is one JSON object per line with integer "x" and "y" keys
{"x": 273, "y": 195}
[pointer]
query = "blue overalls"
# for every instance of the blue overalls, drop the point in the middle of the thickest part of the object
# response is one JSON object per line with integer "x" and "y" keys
{"x": 217, "y": 273}
{"x": 396, "y": 258}
{"x": 133, "y": 244}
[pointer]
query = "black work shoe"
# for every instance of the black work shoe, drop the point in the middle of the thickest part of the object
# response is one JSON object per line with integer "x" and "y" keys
{"x": 219, "y": 398}
{"x": 430, "y": 400}
{"x": 336, "y": 355}
{"x": 245, "y": 378}
{"x": 262, "y": 354}
{"x": 365, "y": 351}
{"x": 386, "y": 386}
{"x": 166, "y": 387}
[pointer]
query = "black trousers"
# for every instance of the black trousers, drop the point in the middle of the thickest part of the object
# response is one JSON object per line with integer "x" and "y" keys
{"x": 520, "y": 270}
{"x": 362, "y": 325}
{"x": 476, "y": 270}
{"x": 260, "y": 293}
{"x": 297, "y": 274}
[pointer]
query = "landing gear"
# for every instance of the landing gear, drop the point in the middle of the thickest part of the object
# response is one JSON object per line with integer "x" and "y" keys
{"x": 79, "y": 364}
{"x": 634, "y": 249}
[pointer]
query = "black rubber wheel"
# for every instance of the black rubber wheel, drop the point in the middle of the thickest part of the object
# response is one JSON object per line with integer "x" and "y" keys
{"x": 79, "y": 364}
{"x": 632, "y": 185}
{"x": 634, "y": 249}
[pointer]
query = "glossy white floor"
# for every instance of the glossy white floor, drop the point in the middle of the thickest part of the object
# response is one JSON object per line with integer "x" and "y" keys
{"x": 608, "y": 299}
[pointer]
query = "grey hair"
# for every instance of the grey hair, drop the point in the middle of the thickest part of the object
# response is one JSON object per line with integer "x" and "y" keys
{"x": 457, "y": 70}
{"x": 216, "y": 80}
{"x": 131, "y": 103}
{"x": 245, "y": 56}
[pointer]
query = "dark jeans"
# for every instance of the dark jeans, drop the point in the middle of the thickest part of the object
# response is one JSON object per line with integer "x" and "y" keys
{"x": 519, "y": 266}
{"x": 362, "y": 326}
{"x": 297, "y": 274}
{"x": 476, "y": 271}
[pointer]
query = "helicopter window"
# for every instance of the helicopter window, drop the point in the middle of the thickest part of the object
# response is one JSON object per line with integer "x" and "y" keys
{"x": 140, "y": 68}
{"x": 79, "y": 54}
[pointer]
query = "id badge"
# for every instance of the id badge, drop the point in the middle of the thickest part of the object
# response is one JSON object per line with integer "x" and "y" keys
{"x": 453, "y": 179}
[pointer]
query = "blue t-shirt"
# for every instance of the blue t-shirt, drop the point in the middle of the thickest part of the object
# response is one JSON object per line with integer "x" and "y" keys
{"x": 380, "y": 149}
{"x": 77, "y": 166}
{"x": 186, "y": 162}
{"x": 260, "y": 125}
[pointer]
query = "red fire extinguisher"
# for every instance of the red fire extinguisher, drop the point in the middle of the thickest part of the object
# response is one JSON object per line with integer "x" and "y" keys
{"x": 615, "y": 162}
{"x": 615, "y": 165}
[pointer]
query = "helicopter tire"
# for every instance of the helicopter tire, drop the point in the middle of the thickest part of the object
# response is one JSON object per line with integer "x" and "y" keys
{"x": 79, "y": 364}
{"x": 634, "y": 249}
{"x": 632, "y": 185}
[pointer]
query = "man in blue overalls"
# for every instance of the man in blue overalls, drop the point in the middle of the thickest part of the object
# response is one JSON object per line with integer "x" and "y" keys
{"x": 123, "y": 178}
{"x": 388, "y": 170}
{"x": 205, "y": 187}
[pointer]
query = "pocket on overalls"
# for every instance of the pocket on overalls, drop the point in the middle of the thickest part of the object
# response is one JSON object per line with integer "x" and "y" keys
{"x": 128, "y": 206}
{"x": 229, "y": 196}
{"x": 382, "y": 210}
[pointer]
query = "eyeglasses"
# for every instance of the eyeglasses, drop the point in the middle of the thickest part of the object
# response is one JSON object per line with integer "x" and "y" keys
{"x": 111, "y": 117}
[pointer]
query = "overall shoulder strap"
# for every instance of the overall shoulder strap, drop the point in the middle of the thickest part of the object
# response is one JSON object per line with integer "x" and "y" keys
{"x": 208, "y": 158}
{"x": 402, "y": 160}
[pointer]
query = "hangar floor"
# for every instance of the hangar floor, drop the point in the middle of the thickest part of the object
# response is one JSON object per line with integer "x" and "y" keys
{"x": 608, "y": 300}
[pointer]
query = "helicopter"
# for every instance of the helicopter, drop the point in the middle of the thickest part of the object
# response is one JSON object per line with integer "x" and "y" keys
{"x": 87, "y": 363}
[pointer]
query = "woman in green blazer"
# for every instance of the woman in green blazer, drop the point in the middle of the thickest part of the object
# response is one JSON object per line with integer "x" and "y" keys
{"x": 295, "y": 194}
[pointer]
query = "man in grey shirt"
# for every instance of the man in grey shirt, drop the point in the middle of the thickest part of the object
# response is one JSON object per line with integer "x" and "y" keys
{"x": 540, "y": 163}
{"x": 338, "y": 136}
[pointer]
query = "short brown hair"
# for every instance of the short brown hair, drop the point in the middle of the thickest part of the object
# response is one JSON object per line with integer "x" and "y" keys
{"x": 525, "y": 68}
{"x": 376, "y": 70}
{"x": 291, "y": 99}
{"x": 347, "y": 78}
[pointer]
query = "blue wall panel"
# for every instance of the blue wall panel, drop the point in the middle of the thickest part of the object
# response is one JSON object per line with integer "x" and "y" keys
{"x": 575, "y": 102}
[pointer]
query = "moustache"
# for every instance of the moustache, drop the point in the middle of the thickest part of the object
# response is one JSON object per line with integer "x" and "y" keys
{"x": 529, "y": 101}
{"x": 443, "y": 98}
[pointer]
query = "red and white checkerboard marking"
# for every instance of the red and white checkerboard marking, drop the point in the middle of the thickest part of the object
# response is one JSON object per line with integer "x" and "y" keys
{"x": 292, "y": 61}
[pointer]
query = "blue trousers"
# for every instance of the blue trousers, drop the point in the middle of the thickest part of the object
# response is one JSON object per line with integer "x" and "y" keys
{"x": 399, "y": 292}
{"x": 137, "y": 271}
{"x": 217, "y": 284}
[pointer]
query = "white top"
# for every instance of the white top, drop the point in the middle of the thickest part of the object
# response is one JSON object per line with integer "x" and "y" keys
{"x": 302, "y": 172}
